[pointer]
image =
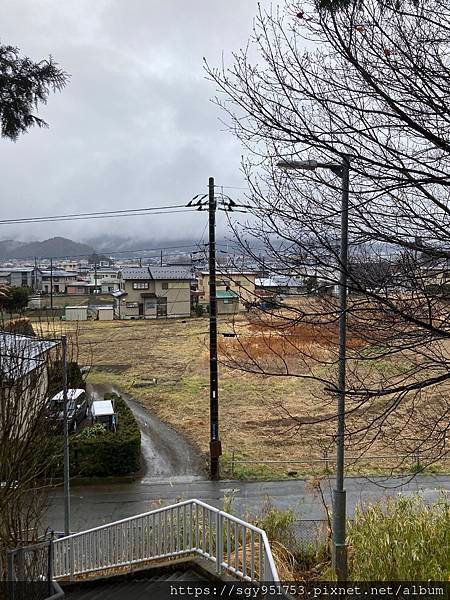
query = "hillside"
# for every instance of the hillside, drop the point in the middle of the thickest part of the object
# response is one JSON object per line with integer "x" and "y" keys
{"x": 51, "y": 248}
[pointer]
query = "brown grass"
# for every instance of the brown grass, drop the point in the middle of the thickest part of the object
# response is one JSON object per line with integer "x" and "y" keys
{"x": 256, "y": 412}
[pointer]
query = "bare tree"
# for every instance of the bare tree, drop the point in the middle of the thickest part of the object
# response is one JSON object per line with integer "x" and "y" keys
{"x": 30, "y": 439}
{"x": 369, "y": 81}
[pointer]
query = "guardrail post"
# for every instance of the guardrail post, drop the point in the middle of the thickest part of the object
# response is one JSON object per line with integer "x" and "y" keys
{"x": 20, "y": 564}
{"x": 267, "y": 574}
{"x": 219, "y": 543}
{"x": 11, "y": 576}
{"x": 70, "y": 544}
{"x": 50, "y": 565}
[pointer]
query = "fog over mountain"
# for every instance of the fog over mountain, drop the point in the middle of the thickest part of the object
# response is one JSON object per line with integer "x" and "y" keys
{"x": 51, "y": 248}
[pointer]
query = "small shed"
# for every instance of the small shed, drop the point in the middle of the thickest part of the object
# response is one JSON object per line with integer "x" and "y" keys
{"x": 105, "y": 313}
{"x": 227, "y": 302}
{"x": 102, "y": 411}
{"x": 76, "y": 313}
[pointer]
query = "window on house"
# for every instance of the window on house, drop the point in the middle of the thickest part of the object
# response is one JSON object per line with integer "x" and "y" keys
{"x": 132, "y": 305}
{"x": 140, "y": 285}
{"x": 165, "y": 285}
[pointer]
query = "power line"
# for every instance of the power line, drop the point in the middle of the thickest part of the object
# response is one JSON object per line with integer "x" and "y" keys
{"x": 90, "y": 216}
{"x": 114, "y": 252}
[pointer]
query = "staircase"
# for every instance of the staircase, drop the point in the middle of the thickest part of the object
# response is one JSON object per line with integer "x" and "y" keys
{"x": 140, "y": 586}
{"x": 188, "y": 539}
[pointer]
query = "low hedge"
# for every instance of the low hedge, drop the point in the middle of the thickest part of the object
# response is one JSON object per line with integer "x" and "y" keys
{"x": 97, "y": 452}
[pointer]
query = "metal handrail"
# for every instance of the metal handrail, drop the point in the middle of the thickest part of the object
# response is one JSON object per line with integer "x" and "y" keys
{"x": 187, "y": 528}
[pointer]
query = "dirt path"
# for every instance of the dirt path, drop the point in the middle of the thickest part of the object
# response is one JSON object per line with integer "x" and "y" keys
{"x": 167, "y": 455}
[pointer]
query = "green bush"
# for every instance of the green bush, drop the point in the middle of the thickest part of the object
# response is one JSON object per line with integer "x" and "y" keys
{"x": 97, "y": 452}
{"x": 199, "y": 310}
{"x": 402, "y": 539}
{"x": 75, "y": 379}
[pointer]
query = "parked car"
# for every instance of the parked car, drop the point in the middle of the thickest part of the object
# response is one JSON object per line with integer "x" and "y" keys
{"x": 77, "y": 407}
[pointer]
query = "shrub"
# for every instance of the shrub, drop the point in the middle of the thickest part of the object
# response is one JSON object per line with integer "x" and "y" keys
{"x": 402, "y": 539}
{"x": 20, "y": 327}
{"x": 98, "y": 452}
{"x": 92, "y": 432}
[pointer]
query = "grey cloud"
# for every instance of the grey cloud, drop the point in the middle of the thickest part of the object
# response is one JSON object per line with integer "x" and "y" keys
{"x": 135, "y": 126}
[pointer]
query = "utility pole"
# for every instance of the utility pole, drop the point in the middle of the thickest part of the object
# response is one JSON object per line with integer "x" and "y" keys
{"x": 161, "y": 260}
{"x": 66, "y": 440}
{"x": 51, "y": 283}
{"x": 95, "y": 273}
{"x": 215, "y": 448}
{"x": 339, "y": 495}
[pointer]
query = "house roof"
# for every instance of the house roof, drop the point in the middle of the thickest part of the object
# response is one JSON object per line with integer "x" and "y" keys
{"x": 157, "y": 273}
{"x": 20, "y": 354}
{"x": 58, "y": 273}
{"x": 173, "y": 272}
{"x": 136, "y": 273}
{"x": 223, "y": 272}
{"x": 222, "y": 294}
{"x": 8, "y": 270}
{"x": 278, "y": 281}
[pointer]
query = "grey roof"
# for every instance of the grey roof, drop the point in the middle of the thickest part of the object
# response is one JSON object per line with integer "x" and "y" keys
{"x": 136, "y": 273}
{"x": 17, "y": 269}
{"x": 20, "y": 354}
{"x": 59, "y": 273}
{"x": 173, "y": 272}
{"x": 163, "y": 273}
{"x": 278, "y": 281}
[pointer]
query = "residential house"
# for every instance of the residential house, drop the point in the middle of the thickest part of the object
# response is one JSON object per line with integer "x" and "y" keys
{"x": 21, "y": 277}
{"x": 24, "y": 363}
{"x": 279, "y": 285}
{"x": 69, "y": 265}
{"x": 58, "y": 280}
{"x": 79, "y": 288}
{"x": 241, "y": 283}
{"x": 154, "y": 292}
{"x": 105, "y": 279}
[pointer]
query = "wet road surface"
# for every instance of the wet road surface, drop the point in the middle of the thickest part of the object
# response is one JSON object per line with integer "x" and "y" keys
{"x": 166, "y": 454}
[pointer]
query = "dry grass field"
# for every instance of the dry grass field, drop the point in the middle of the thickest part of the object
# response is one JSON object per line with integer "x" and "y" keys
{"x": 255, "y": 410}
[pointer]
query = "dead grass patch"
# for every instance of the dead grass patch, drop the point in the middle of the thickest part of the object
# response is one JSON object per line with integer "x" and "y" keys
{"x": 261, "y": 418}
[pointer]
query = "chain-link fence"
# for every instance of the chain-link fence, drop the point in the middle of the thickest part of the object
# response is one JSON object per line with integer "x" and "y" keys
{"x": 311, "y": 533}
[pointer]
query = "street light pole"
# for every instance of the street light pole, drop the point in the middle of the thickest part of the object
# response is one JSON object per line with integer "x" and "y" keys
{"x": 342, "y": 169}
{"x": 339, "y": 494}
{"x": 66, "y": 440}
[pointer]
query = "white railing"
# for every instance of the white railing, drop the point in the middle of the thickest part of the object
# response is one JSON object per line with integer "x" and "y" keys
{"x": 188, "y": 528}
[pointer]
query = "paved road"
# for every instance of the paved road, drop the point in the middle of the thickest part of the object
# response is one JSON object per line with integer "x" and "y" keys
{"x": 95, "y": 505}
{"x": 165, "y": 452}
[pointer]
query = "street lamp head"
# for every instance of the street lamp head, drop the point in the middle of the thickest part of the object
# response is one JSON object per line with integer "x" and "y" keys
{"x": 293, "y": 165}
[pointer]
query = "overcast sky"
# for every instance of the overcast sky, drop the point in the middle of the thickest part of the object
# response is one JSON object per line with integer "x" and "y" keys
{"x": 135, "y": 126}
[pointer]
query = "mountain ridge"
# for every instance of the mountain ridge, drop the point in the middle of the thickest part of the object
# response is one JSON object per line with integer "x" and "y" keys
{"x": 56, "y": 247}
